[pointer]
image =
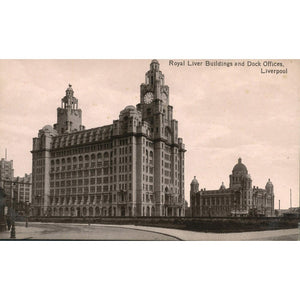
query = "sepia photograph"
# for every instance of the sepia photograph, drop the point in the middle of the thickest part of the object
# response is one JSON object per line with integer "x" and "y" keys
{"x": 149, "y": 150}
{"x": 139, "y": 150}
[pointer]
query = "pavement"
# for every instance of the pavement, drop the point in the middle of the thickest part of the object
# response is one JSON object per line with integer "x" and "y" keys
{"x": 63, "y": 231}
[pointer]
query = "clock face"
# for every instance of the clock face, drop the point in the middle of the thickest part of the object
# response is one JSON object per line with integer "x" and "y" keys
{"x": 164, "y": 97}
{"x": 148, "y": 98}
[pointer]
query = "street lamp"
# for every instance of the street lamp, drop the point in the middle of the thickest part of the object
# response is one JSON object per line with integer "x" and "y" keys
{"x": 12, "y": 214}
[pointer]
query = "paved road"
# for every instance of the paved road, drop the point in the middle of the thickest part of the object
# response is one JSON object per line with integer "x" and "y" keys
{"x": 59, "y": 231}
{"x": 56, "y": 231}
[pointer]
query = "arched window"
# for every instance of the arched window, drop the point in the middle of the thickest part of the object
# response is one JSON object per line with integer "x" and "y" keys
{"x": 84, "y": 211}
{"x": 152, "y": 211}
{"x": 91, "y": 212}
{"x": 97, "y": 211}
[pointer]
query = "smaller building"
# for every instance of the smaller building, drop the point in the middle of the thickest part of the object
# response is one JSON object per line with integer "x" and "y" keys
{"x": 289, "y": 212}
{"x": 240, "y": 199}
{"x": 6, "y": 175}
{"x": 17, "y": 190}
{"x": 22, "y": 188}
{"x": 2, "y": 210}
{"x": 22, "y": 191}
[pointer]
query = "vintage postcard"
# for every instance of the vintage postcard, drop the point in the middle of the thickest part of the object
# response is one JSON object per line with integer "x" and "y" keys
{"x": 157, "y": 149}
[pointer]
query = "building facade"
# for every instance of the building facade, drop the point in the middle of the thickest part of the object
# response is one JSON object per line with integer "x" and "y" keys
{"x": 240, "y": 199}
{"x": 17, "y": 190}
{"x": 133, "y": 167}
{"x": 6, "y": 175}
{"x": 22, "y": 188}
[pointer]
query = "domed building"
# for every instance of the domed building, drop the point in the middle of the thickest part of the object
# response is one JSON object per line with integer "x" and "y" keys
{"x": 132, "y": 167}
{"x": 240, "y": 199}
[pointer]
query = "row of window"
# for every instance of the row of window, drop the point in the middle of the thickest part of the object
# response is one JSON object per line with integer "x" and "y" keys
{"x": 90, "y": 189}
{"x": 80, "y": 138}
{"x": 213, "y": 202}
{"x": 78, "y": 150}
{"x": 99, "y": 198}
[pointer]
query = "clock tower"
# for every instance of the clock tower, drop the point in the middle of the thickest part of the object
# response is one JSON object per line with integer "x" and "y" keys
{"x": 68, "y": 115}
{"x": 154, "y": 102}
{"x": 154, "y": 87}
{"x": 157, "y": 114}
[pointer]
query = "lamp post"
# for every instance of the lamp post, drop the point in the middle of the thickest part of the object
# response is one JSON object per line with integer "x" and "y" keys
{"x": 12, "y": 213}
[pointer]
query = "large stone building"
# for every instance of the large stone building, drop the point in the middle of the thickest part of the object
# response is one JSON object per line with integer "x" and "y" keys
{"x": 239, "y": 199}
{"x": 133, "y": 167}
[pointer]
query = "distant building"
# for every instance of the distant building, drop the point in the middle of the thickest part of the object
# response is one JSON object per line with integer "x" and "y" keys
{"x": 17, "y": 189}
{"x": 133, "y": 167}
{"x": 22, "y": 188}
{"x": 289, "y": 212}
{"x": 6, "y": 176}
{"x": 240, "y": 199}
{"x": 2, "y": 209}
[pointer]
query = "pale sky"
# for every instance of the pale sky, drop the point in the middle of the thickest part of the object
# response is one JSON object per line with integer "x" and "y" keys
{"x": 223, "y": 113}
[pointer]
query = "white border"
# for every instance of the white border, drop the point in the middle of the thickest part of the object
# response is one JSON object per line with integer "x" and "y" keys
{"x": 156, "y": 29}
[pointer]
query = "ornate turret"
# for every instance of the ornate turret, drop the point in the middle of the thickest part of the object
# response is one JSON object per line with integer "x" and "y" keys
{"x": 239, "y": 168}
{"x": 269, "y": 187}
{"x": 68, "y": 115}
{"x": 69, "y": 100}
{"x": 194, "y": 185}
{"x": 154, "y": 87}
{"x": 222, "y": 187}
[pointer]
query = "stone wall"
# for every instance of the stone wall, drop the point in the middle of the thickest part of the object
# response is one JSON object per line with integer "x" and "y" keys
{"x": 195, "y": 224}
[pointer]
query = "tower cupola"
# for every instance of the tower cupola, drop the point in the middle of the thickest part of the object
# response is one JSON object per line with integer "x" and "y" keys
{"x": 68, "y": 115}
{"x": 194, "y": 185}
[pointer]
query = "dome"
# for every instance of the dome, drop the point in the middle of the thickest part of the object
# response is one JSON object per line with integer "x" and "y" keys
{"x": 130, "y": 107}
{"x": 222, "y": 187}
{"x": 269, "y": 183}
{"x": 154, "y": 61}
{"x": 240, "y": 167}
{"x": 48, "y": 128}
{"x": 194, "y": 181}
{"x": 70, "y": 88}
